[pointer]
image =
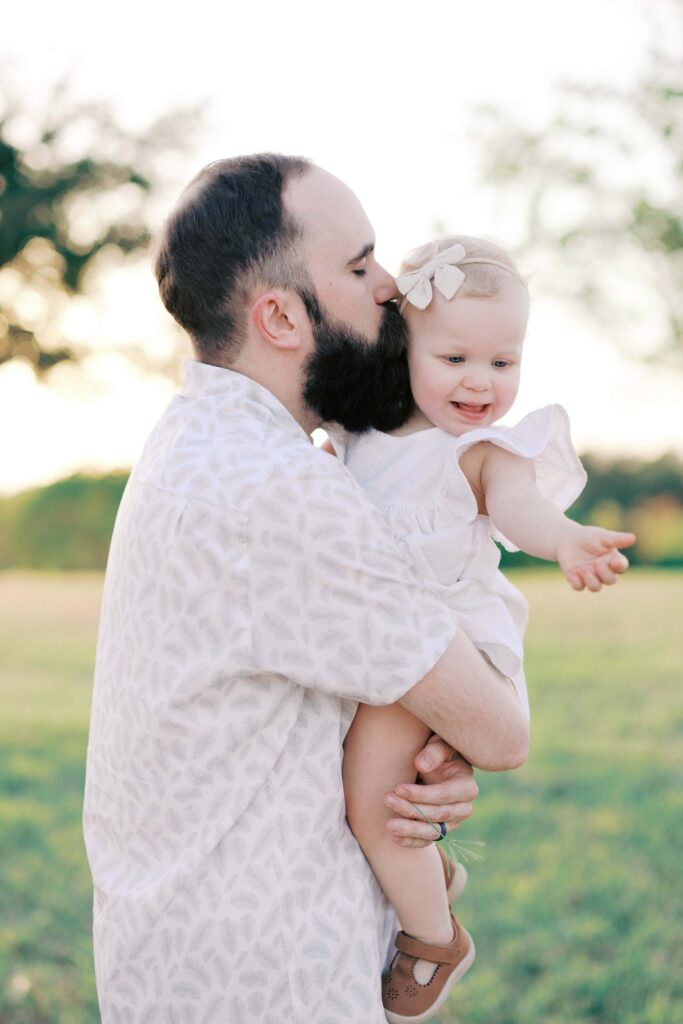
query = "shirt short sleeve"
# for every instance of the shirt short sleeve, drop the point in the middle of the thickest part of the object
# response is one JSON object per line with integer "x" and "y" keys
{"x": 335, "y": 603}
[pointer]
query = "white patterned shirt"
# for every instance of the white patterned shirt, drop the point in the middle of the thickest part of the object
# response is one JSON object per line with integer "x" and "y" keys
{"x": 253, "y": 595}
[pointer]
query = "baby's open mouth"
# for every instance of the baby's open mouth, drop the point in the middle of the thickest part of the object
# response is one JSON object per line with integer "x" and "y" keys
{"x": 469, "y": 407}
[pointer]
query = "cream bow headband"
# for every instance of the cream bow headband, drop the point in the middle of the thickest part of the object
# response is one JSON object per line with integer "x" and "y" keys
{"x": 444, "y": 270}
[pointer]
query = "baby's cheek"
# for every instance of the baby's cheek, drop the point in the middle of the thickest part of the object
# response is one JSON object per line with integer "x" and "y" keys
{"x": 508, "y": 394}
{"x": 420, "y": 384}
{"x": 513, "y": 386}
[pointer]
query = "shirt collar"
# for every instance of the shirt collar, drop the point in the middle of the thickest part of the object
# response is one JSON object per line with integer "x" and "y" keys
{"x": 200, "y": 379}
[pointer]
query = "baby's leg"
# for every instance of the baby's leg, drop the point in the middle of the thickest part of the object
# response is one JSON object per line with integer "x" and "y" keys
{"x": 379, "y": 753}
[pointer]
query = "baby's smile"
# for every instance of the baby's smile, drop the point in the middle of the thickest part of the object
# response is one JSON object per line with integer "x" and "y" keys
{"x": 471, "y": 410}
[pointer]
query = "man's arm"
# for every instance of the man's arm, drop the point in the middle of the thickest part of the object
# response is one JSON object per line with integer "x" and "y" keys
{"x": 472, "y": 707}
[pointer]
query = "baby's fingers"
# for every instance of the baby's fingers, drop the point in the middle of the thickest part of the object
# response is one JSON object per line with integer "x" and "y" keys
{"x": 605, "y": 573}
{"x": 619, "y": 540}
{"x": 591, "y": 579}
{"x": 574, "y": 579}
{"x": 618, "y": 562}
{"x": 585, "y": 576}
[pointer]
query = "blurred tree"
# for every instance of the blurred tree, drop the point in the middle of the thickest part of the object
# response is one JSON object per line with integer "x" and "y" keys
{"x": 66, "y": 525}
{"x": 600, "y": 194}
{"x": 73, "y": 185}
{"x": 626, "y": 482}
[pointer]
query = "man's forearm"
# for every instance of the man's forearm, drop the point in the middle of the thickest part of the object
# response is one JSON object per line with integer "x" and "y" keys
{"x": 469, "y": 704}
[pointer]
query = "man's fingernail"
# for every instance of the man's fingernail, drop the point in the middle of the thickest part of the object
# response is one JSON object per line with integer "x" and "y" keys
{"x": 425, "y": 762}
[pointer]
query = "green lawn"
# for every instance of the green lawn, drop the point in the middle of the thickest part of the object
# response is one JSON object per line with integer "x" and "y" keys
{"x": 577, "y": 911}
{"x": 48, "y": 626}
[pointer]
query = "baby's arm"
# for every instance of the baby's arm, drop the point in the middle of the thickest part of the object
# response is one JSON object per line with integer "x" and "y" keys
{"x": 588, "y": 555}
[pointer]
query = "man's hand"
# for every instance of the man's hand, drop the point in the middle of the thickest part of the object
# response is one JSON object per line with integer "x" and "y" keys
{"x": 589, "y": 556}
{"x": 447, "y": 794}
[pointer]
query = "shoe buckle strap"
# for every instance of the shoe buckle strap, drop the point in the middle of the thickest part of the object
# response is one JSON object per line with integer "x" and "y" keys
{"x": 427, "y": 951}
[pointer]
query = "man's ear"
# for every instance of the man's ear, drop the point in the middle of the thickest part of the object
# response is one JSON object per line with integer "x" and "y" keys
{"x": 276, "y": 316}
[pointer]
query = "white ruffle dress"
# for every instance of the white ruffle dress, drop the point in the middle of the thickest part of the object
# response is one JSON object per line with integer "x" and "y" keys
{"x": 416, "y": 481}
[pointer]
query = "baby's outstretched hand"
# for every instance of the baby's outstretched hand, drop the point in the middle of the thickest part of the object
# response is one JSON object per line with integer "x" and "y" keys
{"x": 589, "y": 556}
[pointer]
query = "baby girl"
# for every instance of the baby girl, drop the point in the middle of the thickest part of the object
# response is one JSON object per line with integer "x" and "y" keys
{"x": 450, "y": 481}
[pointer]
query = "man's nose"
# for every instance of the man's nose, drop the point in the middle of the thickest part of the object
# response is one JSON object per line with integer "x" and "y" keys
{"x": 385, "y": 287}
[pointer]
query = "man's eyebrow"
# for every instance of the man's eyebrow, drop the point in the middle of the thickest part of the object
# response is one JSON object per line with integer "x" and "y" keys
{"x": 365, "y": 251}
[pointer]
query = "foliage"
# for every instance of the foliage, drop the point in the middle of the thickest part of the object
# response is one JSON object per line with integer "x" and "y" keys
{"x": 66, "y": 525}
{"x": 600, "y": 192}
{"x": 628, "y": 481}
{"x": 74, "y": 187}
{"x": 577, "y": 912}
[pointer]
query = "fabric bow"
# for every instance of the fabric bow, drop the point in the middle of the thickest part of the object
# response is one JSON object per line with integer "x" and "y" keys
{"x": 442, "y": 269}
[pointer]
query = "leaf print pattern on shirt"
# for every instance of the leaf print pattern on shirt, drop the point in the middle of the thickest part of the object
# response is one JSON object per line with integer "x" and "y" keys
{"x": 252, "y": 596}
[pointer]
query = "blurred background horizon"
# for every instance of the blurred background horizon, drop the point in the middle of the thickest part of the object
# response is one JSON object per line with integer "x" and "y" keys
{"x": 557, "y": 132}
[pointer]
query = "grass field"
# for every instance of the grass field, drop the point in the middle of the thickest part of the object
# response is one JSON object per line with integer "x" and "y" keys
{"x": 577, "y": 911}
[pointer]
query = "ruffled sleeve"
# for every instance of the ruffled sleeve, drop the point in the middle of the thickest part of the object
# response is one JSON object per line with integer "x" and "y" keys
{"x": 543, "y": 436}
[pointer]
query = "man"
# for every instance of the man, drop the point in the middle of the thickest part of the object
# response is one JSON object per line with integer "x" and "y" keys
{"x": 253, "y": 596}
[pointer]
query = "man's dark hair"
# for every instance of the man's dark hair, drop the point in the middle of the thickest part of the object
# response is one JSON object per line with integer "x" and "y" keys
{"x": 227, "y": 233}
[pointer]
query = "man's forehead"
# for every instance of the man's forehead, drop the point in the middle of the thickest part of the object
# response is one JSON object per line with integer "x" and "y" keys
{"x": 329, "y": 212}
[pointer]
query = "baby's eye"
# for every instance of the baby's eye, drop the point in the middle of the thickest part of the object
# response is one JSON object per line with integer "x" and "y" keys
{"x": 361, "y": 272}
{"x": 456, "y": 359}
{"x": 500, "y": 364}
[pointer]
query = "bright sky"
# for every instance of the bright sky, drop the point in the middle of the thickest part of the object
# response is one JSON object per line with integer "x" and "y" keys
{"x": 380, "y": 92}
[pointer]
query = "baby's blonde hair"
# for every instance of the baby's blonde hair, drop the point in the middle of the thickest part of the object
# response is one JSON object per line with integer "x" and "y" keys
{"x": 482, "y": 280}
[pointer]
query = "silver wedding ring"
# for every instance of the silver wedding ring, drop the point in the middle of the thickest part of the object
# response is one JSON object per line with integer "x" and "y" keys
{"x": 443, "y": 831}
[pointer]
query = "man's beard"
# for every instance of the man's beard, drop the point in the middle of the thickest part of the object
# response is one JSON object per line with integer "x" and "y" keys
{"x": 356, "y": 382}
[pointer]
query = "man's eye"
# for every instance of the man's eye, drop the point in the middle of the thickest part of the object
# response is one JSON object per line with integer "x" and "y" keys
{"x": 456, "y": 359}
{"x": 361, "y": 272}
{"x": 500, "y": 364}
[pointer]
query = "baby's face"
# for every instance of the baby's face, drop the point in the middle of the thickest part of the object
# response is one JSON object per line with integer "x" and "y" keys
{"x": 465, "y": 355}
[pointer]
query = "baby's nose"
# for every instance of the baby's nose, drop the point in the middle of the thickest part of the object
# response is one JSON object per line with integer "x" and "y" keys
{"x": 478, "y": 382}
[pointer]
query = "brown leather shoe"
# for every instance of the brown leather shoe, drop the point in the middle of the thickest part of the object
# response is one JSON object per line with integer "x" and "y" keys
{"x": 405, "y": 1000}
